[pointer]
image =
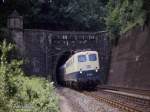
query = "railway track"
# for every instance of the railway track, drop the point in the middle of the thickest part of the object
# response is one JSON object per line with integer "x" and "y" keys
{"x": 125, "y": 102}
{"x": 138, "y": 91}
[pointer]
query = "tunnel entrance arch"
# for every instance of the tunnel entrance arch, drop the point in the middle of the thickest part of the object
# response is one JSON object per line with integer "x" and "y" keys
{"x": 60, "y": 60}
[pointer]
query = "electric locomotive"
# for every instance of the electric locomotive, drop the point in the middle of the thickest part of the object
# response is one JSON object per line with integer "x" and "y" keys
{"x": 81, "y": 70}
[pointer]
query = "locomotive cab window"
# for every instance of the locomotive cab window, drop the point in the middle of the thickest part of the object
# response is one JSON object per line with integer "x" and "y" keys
{"x": 82, "y": 58}
{"x": 92, "y": 57}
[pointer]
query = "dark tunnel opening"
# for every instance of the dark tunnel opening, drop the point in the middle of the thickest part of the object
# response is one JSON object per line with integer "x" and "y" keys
{"x": 61, "y": 60}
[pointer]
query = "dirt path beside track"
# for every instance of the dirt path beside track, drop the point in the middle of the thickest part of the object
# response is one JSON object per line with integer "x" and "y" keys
{"x": 74, "y": 101}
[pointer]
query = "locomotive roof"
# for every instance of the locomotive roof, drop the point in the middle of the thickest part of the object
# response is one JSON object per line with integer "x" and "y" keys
{"x": 84, "y": 52}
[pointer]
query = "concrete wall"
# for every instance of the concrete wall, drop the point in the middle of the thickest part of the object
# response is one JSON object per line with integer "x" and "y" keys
{"x": 130, "y": 60}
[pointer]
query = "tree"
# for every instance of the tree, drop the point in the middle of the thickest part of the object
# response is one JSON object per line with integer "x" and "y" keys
{"x": 124, "y": 15}
{"x": 58, "y": 14}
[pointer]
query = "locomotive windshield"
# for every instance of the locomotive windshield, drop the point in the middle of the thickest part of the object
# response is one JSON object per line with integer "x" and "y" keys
{"x": 82, "y": 58}
{"x": 92, "y": 57}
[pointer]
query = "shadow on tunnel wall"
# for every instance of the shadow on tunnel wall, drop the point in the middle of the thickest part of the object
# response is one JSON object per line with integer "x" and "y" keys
{"x": 61, "y": 59}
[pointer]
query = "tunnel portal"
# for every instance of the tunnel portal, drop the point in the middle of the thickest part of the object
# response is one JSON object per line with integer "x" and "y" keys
{"x": 46, "y": 51}
{"x": 39, "y": 47}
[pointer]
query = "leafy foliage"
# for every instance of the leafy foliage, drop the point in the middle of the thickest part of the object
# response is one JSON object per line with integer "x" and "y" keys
{"x": 58, "y": 14}
{"x": 19, "y": 93}
{"x": 123, "y": 15}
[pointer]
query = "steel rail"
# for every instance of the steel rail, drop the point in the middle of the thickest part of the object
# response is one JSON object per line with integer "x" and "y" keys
{"x": 116, "y": 104}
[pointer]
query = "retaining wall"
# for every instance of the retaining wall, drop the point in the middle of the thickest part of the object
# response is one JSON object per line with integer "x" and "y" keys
{"x": 130, "y": 60}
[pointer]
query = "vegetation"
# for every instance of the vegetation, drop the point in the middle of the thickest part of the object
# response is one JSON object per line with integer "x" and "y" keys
{"x": 57, "y": 14}
{"x": 124, "y": 15}
{"x": 115, "y": 16}
{"x": 19, "y": 93}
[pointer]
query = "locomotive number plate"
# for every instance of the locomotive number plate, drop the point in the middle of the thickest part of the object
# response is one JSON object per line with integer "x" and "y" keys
{"x": 89, "y": 74}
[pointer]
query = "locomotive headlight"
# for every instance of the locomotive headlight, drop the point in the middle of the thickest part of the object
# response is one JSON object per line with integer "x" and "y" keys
{"x": 96, "y": 69}
{"x": 80, "y": 71}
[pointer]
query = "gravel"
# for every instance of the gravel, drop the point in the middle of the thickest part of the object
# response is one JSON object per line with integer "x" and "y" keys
{"x": 74, "y": 101}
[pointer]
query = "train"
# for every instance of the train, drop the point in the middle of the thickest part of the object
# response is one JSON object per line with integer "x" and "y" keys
{"x": 81, "y": 70}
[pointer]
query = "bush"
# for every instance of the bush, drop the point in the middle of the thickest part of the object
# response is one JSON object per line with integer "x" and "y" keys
{"x": 124, "y": 15}
{"x": 19, "y": 93}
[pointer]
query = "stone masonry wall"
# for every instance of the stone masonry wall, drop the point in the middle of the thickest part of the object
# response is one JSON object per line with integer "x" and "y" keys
{"x": 41, "y": 49}
{"x": 130, "y": 60}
